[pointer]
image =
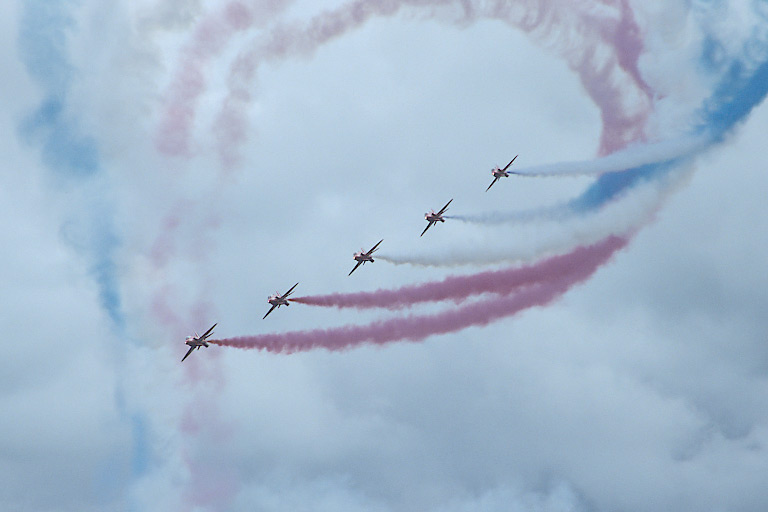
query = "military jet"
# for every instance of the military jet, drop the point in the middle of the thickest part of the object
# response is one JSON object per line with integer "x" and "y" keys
{"x": 278, "y": 300}
{"x": 433, "y": 217}
{"x": 197, "y": 341}
{"x": 501, "y": 173}
{"x": 361, "y": 257}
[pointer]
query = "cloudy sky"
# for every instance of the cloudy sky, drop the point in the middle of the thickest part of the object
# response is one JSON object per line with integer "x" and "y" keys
{"x": 168, "y": 164}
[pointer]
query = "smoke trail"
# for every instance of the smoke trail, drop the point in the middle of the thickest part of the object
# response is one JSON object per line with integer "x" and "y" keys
{"x": 66, "y": 150}
{"x": 73, "y": 157}
{"x": 614, "y": 83}
{"x": 210, "y": 38}
{"x": 71, "y": 154}
{"x": 416, "y": 328}
{"x": 735, "y": 97}
{"x": 601, "y": 44}
{"x": 633, "y": 156}
{"x": 591, "y": 218}
{"x": 459, "y": 288}
{"x": 281, "y": 42}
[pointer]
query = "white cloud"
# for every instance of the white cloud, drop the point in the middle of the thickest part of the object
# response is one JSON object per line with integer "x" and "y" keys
{"x": 641, "y": 390}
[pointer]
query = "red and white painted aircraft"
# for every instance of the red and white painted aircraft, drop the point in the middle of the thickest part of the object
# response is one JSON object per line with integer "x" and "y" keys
{"x": 278, "y": 300}
{"x": 501, "y": 173}
{"x": 433, "y": 217}
{"x": 361, "y": 257}
{"x": 197, "y": 341}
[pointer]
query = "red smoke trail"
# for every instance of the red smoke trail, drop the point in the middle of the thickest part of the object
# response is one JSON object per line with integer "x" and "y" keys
{"x": 189, "y": 83}
{"x": 459, "y": 288}
{"x": 416, "y": 328}
{"x": 622, "y": 124}
{"x": 282, "y": 42}
{"x": 209, "y": 39}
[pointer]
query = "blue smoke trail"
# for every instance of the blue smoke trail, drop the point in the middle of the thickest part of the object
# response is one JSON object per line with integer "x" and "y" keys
{"x": 737, "y": 94}
{"x": 42, "y": 45}
{"x": 73, "y": 158}
{"x": 64, "y": 149}
{"x": 70, "y": 154}
{"x": 735, "y": 98}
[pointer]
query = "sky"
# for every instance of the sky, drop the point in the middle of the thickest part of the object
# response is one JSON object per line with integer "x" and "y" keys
{"x": 586, "y": 336}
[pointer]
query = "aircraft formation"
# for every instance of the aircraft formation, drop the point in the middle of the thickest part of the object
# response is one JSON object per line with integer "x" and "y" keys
{"x": 362, "y": 257}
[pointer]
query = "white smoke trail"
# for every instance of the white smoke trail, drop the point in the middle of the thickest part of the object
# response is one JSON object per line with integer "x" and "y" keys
{"x": 635, "y": 155}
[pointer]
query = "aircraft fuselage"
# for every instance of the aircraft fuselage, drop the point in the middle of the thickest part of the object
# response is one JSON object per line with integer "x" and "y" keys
{"x": 362, "y": 257}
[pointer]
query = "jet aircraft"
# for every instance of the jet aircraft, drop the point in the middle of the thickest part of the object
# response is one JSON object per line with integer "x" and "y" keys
{"x": 361, "y": 257}
{"x": 278, "y": 300}
{"x": 197, "y": 341}
{"x": 433, "y": 217}
{"x": 501, "y": 173}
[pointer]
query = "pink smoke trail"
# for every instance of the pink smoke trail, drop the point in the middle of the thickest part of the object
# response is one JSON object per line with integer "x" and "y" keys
{"x": 624, "y": 99}
{"x": 459, "y": 288}
{"x": 613, "y": 81}
{"x": 203, "y": 377}
{"x": 209, "y": 39}
{"x": 279, "y": 43}
{"x": 416, "y": 328}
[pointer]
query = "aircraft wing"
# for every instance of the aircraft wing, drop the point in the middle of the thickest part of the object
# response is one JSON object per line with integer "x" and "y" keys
{"x": 270, "y": 310}
{"x": 489, "y": 186}
{"x": 358, "y": 264}
{"x": 442, "y": 210}
{"x": 373, "y": 249}
{"x": 510, "y": 163}
{"x": 289, "y": 291}
{"x": 188, "y": 352}
{"x": 429, "y": 225}
{"x": 208, "y": 332}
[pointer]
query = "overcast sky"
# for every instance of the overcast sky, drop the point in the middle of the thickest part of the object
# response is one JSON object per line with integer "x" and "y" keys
{"x": 641, "y": 389}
